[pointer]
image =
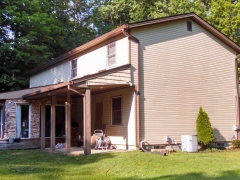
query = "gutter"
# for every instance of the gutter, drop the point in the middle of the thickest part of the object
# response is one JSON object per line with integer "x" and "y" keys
{"x": 125, "y": 31}
{"x": 73, "y": 90}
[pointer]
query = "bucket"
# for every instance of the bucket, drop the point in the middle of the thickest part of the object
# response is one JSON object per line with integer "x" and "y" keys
{"x": 10, "y": 140}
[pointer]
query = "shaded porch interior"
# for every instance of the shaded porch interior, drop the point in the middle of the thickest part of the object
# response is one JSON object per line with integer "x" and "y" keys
{"x": 67, "y": 111}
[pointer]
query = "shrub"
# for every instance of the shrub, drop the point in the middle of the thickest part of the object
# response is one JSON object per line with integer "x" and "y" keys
{"x": 235, "y": 143}
{"x": 204, "y": 129}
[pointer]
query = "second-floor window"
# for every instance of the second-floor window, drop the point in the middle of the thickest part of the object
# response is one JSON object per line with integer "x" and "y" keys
{"x": 111, "y": 54}
{"x": 74, "y": 68}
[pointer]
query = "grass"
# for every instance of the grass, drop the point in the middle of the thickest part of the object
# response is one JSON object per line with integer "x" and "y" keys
{"x": 37, "y": 164}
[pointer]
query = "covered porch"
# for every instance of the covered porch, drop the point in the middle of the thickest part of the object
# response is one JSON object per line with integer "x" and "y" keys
{"x": 78, "y": 101}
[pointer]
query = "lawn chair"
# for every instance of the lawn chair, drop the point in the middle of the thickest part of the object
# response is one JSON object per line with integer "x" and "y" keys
{"x": 101, "y": 140}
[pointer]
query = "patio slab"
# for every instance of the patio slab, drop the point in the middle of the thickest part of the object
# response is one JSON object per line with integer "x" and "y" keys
{"x": 76, "y": 151}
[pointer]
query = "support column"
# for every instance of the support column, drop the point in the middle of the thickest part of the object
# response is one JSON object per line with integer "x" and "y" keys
{"x": 53, "y": 123}
{"x": 43, "y": 120}
{"x": 68, "y": 123}
{"x": 87, "y": 121}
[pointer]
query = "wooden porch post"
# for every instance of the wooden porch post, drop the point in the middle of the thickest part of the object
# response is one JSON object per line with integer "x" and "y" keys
{"x": 43, "y": 112}
{"x": 87, "y": 121}
{"x": 68, "y": 123}
{"x": 53, "y": 119}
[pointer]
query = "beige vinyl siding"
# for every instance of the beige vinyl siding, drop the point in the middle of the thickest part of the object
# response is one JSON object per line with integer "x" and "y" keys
{"x": 181, "y": 71}
{"x": 120, "y": 77}
{"x": 54, "y": 75}
{"x": 119, "y": 134}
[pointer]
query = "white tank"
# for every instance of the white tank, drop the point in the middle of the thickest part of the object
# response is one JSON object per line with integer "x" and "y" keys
{"x": 189, "y": 143}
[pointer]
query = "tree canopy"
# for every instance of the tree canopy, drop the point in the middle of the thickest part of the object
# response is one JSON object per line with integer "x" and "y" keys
{"x": 33, "y": 32}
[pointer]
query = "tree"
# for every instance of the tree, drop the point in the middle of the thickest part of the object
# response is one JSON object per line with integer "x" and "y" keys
{"x": 204, "y": 128}
{"x": 225, "y": 16}
{"x": 222, "y": 14}
{"x": 119, "y": 12}
{"x": 35, "y": 31}
{"x": 28, "y": 33}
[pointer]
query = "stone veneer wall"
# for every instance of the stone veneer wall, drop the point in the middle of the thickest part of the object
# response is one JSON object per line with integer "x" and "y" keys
{"x": 10, "y": 118}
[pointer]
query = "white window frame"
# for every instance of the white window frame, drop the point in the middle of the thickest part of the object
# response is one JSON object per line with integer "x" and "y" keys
{"x": 18, "y": 120}
{"x": 112, "y": 122}
{"x": 71, "y": 62}
{"x": 111, "y": 55}
{"x": 1, "y": 121}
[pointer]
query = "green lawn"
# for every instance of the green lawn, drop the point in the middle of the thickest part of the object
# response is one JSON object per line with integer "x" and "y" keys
{"x": 36, "y": 164}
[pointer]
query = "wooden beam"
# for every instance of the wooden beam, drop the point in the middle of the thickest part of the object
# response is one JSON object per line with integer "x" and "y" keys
{"x": 43, "y": 119}
{"x": 87, "y": 122}
{"x": 68, "y": 123}
{"x": 53, "y": 119}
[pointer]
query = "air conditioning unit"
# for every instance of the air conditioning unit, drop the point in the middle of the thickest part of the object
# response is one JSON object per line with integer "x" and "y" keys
{"x": 189, "y": 143}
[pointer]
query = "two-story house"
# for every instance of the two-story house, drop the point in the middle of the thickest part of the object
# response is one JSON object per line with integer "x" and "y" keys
{"x": 140, "y": 81}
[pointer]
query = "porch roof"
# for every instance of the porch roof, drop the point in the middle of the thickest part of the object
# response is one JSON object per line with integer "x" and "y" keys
{"x": 18, "y": 94}
{"x": 104, "y": 80}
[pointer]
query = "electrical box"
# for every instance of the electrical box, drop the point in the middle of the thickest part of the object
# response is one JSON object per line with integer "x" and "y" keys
{"x": 235, "y": 127}
{"x": 189, "y": 143}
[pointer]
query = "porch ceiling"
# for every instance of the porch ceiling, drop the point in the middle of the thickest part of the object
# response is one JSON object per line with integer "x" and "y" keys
{"x": 95, "y": 89}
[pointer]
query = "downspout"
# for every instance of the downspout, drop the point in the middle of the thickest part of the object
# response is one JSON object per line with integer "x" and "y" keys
{"x": 237, "y": 91}
{"x": 73, "y": 90}
{"x": 125, "y": 31}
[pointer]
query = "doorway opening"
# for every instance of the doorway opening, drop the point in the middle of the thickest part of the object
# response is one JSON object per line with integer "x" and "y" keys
{"x": 60, "y": 121}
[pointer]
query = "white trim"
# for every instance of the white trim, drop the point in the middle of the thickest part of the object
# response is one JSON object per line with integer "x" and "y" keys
{"x": 18, "y": 120}
{"x": 29, "y": 120}
{"x": 1, "y": 121}
{"x": 19, "y": 117}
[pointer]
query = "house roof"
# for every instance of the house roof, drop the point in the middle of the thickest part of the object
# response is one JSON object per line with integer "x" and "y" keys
{"x": 118, "y": 31}
{"x": 18, "y": 94}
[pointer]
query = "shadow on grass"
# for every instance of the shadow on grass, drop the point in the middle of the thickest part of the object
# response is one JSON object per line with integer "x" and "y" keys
{"x": 231, "y": 175}
{"x": 43, "y": 165}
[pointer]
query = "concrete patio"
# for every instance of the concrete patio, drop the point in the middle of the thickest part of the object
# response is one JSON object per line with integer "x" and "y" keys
{"x": 76, "y": 151}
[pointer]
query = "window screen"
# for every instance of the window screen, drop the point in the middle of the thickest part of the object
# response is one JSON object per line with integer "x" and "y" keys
{"x": 111, "y": 54}
{"x": 74, "y": 68}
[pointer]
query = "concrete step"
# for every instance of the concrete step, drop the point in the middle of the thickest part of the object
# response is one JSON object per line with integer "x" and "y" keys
{"x": 3, "y": 141}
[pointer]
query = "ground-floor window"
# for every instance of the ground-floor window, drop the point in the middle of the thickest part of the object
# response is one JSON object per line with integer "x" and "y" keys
{"x": 23, "y": 121}
{"x": 117, "y": 110}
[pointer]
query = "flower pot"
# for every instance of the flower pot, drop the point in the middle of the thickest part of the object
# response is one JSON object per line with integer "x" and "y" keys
{"x": 10, "y": 140}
